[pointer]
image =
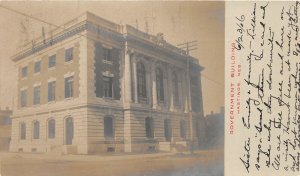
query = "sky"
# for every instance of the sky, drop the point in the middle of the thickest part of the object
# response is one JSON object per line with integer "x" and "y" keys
{"x": 179, "y": 22}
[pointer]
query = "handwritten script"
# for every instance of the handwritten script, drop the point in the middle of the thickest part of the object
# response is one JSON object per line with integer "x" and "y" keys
{"x": 267, "y": 43}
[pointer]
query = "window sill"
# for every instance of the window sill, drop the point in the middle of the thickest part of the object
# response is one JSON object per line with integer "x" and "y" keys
{"x": 51, "y": 102}
{"x": 51, "y": 68}
{"x": 24, "y": 78}
{"x": 108, "y": 98}
{"x": 69, "y": 98}
{"x": 37, "y": 73}
{"x": 68, "y": 62}
{"x": 36, "y": 105}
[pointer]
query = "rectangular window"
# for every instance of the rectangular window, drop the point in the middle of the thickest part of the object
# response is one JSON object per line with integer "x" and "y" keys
{"x": 52, "y": 61}
{"x": 6, "y": 121}
{"x": 23, "y": 131}
{"x": 37, "y": 67}
{"x": 51, "y": 91}
{"x": 23, "y": 98}
{"x": 107, "y": 54}
{"x": 182, "y": 129}
{"x": 69, "y": 55}
{"x": 69, "y": 87}
{"x": 108, "y": 127}
{"x": 36, "y": 130}
{"x": 36, "y": 95}
{"x": 168, "y": 129}
{"x": 107, "y": 87}
{"x": 24, "y": 72}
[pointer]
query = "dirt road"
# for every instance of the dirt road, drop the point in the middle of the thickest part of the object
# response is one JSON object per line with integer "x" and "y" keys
{"x": 202, "y": 163}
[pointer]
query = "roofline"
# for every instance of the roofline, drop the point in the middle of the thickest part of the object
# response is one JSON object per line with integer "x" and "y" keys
{"x": 79, "y": 24}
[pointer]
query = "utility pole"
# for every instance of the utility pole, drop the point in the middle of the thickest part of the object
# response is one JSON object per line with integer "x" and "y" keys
{"x": 189, "y": 46}
{"x": 150, "y": 19}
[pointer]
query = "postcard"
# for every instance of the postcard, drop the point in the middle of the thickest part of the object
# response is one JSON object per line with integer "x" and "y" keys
{"x": 149, "y": 88}
{"x": 122, "y": 88}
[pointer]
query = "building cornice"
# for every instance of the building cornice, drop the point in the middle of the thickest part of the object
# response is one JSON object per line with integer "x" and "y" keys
{"x": 107, "y": 29}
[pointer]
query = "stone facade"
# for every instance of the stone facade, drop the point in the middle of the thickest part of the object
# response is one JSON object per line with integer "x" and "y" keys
{"x": 128, "y": 92}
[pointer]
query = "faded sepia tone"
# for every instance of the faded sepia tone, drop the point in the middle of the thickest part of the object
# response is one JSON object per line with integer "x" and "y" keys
{"x": 101, "y": 83}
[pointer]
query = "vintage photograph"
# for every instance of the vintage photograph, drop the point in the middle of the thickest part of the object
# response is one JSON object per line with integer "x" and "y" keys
{"x": 122, "y": 88}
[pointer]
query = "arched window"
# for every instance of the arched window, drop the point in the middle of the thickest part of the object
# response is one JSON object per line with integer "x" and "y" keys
{"x": 159, "y": 84}
{"x": 182, "y": 129}
{"x": 36, "y": 130}
{"x": 141, "y": 80}
{"x": 51, "y": 129}
{"x": 108, "y": 127}
{"x": 149, "y": 127}
{"x": 22, "y": 131}
{"x": 175, "y": 89}
{"x": 168, "y": 129}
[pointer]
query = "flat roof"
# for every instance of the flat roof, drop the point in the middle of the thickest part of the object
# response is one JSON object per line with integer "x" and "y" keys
{"x": 79, "y": 24}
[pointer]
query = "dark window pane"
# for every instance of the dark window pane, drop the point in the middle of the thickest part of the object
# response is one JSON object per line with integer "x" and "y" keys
{"x": 36, "y": 130}
{"x": 69, "y": 87}
{"x": 23, "y": 98}
{"x": 51, "y": 129}
{"x": 168, "y": 129}
{"x": 107, "y": 87}
{"x": 69, "y": 55}
{"x": 52, "y": 61}
{"x": 149, "y": 127}
{"x": 159, "y": 85}
{"x": 24, "y": 72}
{"x": 37, "y": 67}
{"x": 23, "y": 131}
{"x": 51, "y": 91}
{"x": 141, "y": 76}
{"x": 107, "y": 54}
{"x": 36, "y": 95}
{"x": 69, "y": 131}
{"x": 108, "y": 127}
{"x": 6, "y": 121}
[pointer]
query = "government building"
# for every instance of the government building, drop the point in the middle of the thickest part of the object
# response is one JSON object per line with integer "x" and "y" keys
{"x": 93, "y": 86}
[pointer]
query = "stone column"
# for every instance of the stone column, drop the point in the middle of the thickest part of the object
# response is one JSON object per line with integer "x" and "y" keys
{"x": 153, "y": 80}
{"x": 170, "y": 93}
{"x": 166, "y": 89}
{"x": 127, "y": 77}
{"x": 127, "y": 99}
{"x": 180, "y": 89}
{"x": 148, "y": 84}
{"x": 134, "y": 63}
{"x": 185, "y": 87}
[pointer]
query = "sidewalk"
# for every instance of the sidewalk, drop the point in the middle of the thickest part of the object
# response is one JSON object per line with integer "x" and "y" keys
{"x": 113, "y": 157}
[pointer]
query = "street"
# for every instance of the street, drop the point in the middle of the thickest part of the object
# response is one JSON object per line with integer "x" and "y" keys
{"x": 202, "y": 163}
